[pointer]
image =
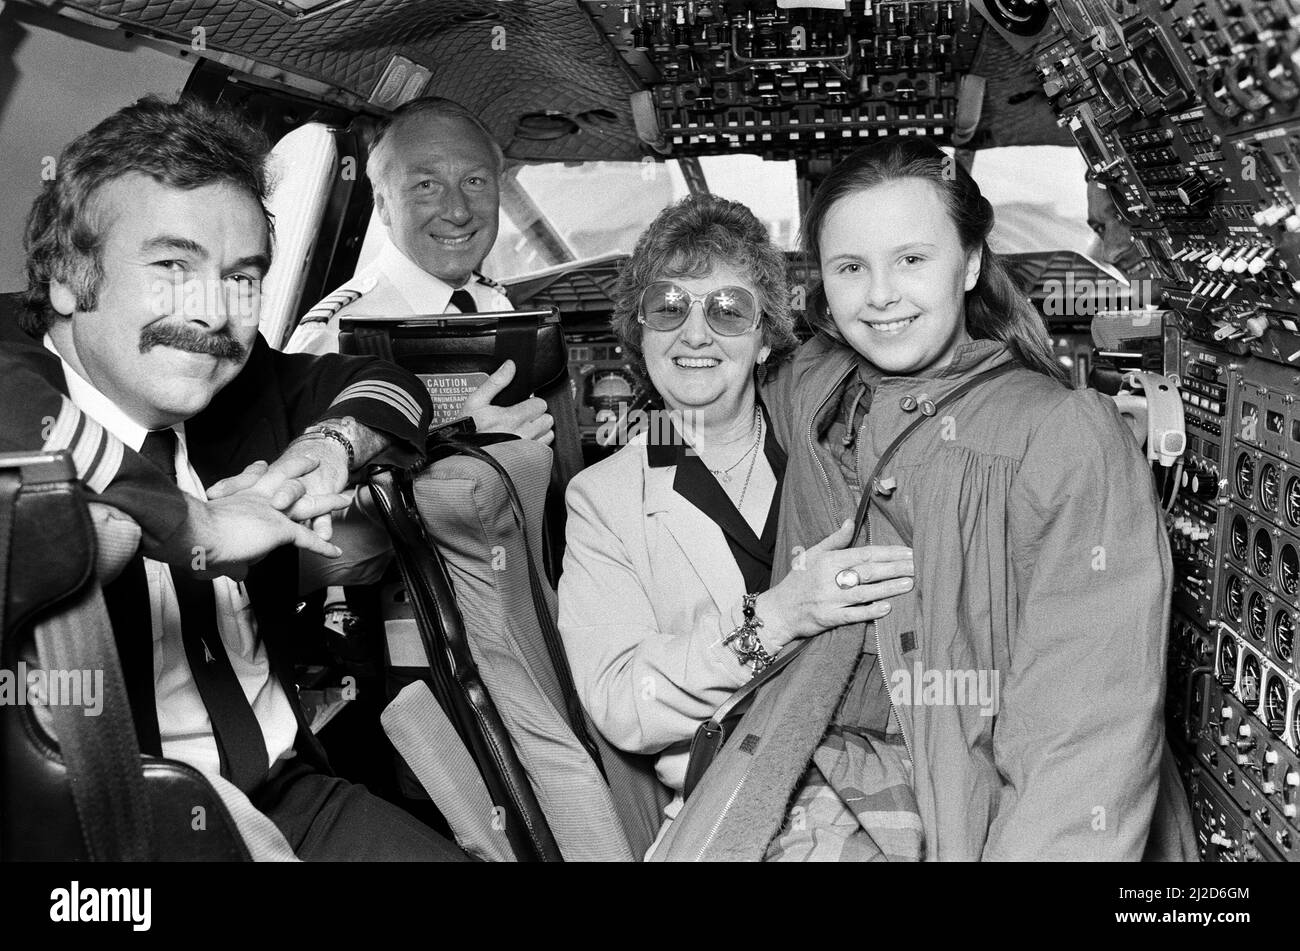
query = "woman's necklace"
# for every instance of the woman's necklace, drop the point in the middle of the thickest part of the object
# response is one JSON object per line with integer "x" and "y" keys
{"x": 753, "y": 458}
{"x": 724, "y": 475}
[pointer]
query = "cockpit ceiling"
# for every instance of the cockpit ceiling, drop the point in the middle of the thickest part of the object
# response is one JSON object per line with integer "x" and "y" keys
{"x": 543, "y": 75}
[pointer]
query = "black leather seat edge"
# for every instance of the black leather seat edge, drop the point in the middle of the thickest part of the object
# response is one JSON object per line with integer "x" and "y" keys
{"x": 126, "y": 806}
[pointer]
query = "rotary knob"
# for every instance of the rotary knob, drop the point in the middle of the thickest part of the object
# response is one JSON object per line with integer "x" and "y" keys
{"x": 1196, "y": 189}
{"x": 1203, "y": 484}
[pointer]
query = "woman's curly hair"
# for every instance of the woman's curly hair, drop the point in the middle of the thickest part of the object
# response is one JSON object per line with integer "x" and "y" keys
{"x": 691, "y": 238}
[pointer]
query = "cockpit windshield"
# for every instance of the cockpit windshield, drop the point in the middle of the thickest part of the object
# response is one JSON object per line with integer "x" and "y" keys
{"x": 555, "y": 214}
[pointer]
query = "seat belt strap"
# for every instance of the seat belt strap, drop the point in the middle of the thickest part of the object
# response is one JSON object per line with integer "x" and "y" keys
{"x": 105, "y": 775}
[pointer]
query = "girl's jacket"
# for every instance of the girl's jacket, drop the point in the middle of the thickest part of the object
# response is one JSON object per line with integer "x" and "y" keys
{"x": 1043, "y": 574}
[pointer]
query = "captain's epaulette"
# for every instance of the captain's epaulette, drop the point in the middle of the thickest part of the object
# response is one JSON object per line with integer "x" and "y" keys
{"x": 331, "y": 305}
{"x": 488, "y": 282}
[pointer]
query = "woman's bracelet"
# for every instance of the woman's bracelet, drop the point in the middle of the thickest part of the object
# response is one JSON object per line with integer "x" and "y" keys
{"x": 744, "y": 640}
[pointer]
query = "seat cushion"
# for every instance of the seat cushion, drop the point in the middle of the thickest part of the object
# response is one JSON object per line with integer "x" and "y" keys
{"x": 466, "y": 510}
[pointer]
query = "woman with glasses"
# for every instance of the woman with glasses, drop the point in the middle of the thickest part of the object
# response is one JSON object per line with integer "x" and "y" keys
{"x": 670, "y": 540}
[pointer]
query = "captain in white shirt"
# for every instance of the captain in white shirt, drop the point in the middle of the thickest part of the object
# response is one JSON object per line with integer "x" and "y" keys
{"x": 435, "y": 171}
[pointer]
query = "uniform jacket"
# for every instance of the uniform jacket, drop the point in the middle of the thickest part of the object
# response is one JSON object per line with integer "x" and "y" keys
{"x": 1040, "y": 557}
{"x": 649, "y": 590}
{"x": 254, "y": 417}
{"x": 391, "y": 284}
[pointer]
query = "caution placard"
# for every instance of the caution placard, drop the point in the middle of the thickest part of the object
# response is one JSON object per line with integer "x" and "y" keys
{"x": 448, "y": 392}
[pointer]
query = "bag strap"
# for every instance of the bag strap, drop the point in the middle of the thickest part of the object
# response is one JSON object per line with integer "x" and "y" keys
{"x": 783, "y": 659}
{"x": 743, "y": 692}
{"x": 449, "y": 446}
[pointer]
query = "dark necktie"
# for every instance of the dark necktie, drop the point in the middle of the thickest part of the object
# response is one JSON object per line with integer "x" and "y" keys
{"x": 463, "y": 302}
{"x": 240, "y": 743}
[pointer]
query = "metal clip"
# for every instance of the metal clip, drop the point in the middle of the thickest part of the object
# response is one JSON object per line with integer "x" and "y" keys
{"x": 885, "y": 486}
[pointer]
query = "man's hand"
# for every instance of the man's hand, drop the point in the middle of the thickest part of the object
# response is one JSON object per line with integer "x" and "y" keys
{"x": 527, "y": 420}
{"x": 224, "y": 536}
{"x": 311, "y": 471}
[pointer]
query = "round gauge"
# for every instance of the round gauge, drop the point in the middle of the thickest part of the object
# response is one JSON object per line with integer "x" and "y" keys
{"x": 1228, "y": 659}
{"x": 1275, "y": 703}
{"x": 1021, "y": 17}
{"x": 1237, "y": 538}
{"x": 1288, "y": 569}
{"x": 1293, "y": 500}
{"x": 1261, "y": 554}
{"x": 1257, "y": 616}
{"x": 611, "y": 385}
{"x": 1232, "y": 597}
{"x": 1245, "y": 476}
{"x": 1284, "y": 637}
{"x": 1268, "y": 487}
{"x": 1248, "y": 688}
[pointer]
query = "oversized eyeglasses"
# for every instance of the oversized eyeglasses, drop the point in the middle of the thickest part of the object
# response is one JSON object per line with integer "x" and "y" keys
{"x": 729, "y": 311}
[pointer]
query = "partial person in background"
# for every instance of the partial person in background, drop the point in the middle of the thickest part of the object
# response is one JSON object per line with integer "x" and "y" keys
{"x": 670, "y": 540}
{"x": 1114, "y": 245}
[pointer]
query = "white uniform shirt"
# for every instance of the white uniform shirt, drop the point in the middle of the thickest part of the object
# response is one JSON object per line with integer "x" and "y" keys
{"x": 183, "y": 721}
{"x": 392, "y": 284}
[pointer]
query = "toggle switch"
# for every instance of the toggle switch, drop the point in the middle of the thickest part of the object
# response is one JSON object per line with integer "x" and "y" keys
{"x": 1256, "y": 327}
{"x": 1258, "y": 262}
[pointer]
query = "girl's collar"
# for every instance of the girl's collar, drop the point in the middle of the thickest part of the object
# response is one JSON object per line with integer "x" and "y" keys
{"x": 970, "y": 356}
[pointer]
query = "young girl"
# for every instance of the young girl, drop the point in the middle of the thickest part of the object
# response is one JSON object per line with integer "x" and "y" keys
{"x": 1009, "y": 707}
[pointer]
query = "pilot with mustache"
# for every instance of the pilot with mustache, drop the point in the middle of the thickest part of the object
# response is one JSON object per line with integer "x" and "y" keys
{"x": 436, "y": 173}
{"x": 139, "y": 354}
